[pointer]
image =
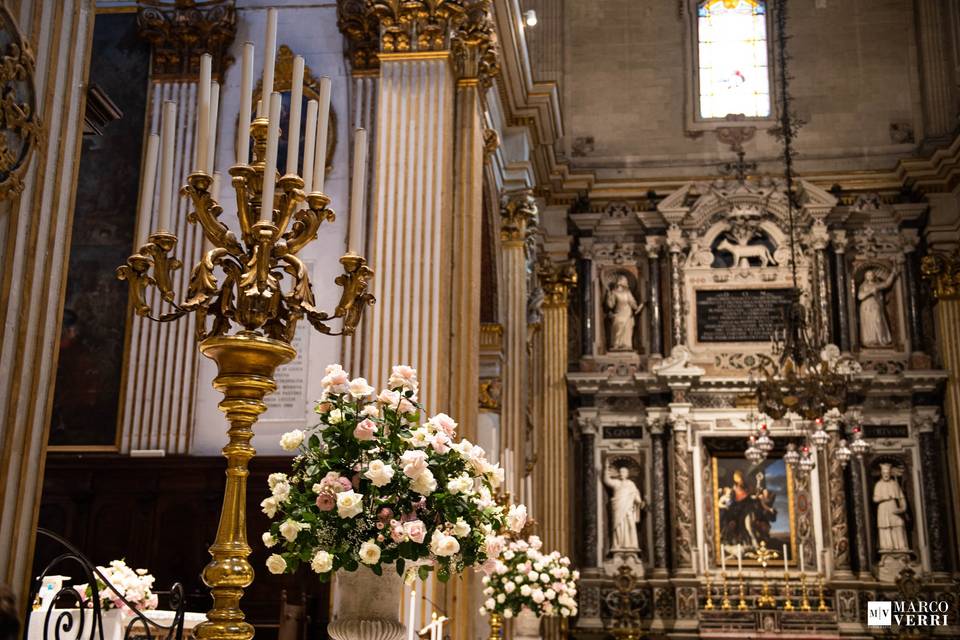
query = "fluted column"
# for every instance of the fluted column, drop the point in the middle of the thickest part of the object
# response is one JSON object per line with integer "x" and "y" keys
{"x": 157, "y": 404}
{"x": 555, "y": 462}
{"x": 517, "y": 212}
{"x": 943, "y": 271}
{"x": 35, "y": 224}
{"x": 912, "y": 289}
{"x": 939, "y": 110}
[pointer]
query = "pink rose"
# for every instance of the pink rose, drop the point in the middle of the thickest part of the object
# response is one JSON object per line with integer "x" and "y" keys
{"x": 366, "y": 430}
{"x": 443, "y": 422}
{"x": 416, "y": 530}
{"x": 489, "y": 566}
{"x": 385, "y": 513}
{"x": 325, "y": 502}
{"x": 440, "y": 442}
{"x": 396, "y": 531}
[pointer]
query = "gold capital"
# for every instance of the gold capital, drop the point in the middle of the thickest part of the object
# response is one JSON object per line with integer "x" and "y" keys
{"x": 943, "y": 272}
{"x": 557, "y": 281}
{"x": 180, "y": 31}
{"x": 518, "y": 213}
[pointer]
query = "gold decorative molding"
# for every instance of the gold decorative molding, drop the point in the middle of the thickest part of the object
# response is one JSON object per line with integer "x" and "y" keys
{"x": 518, "y": 213}
{"x": 474, "y": 45}
{"x": 491, "y": 336}
{"x": 491, "y": 142}
{"x": 943, "y": 272}
{"x": 416, "y": 25}
{"x": 283, "y": 76}
{"x": 19, "y": 124}
{"x": 180, "y": 31}
{"x": 362, "y": 30}
{"x": 490, "y": 392}
{"x": 557, "y": 281}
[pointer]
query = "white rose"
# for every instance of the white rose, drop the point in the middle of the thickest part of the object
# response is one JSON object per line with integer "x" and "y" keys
{"x": 460, "y": 484}
{"x": 369, "y": 552}
{"x": 550, "y": 593}
{"x": 565, "y": 612}
{"x": 268, "y": 539}
{"x": 490, "y": 603}
{"x": 420, "y": 438}
{"x": 335, "y": 416}
{"x": 359, "y": 388}
{"x": 488, "y": 591}
{"x": 538, "y": 566}
{"x": 281, "y": 491}
{"x": 289, "y": 529}
{"x": 509, "y": 587}
{"x": 379, "y": 473}
{"x": 424, "y": 484}
{"x": 534, "y": 576}
{"x": 525, "y": 590}
{"x": 276, "y": 564}
{"x": 544, "y": 578}
{"x": 349, "y": 504}
{"x": 269, "y": 507}
{"x": 461, "y": 529}
{"x": 517, "y": 517}
{"x": 321, "y": 562}
{"x": 501, "y": 598}
{"x": 482, "y": 611}
{"x": 291, "y": 440}
{"x": 275, "y": 478}
{"x": 509, "y": 555}
{"x": 370, "y": 411}
{"x": 443, "y": 545}
{"x": 508, "y": 613}
{"x": 537, "y": 596}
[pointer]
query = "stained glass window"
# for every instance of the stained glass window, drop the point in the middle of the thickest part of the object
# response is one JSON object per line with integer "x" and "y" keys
{"x": 734, "y": 75}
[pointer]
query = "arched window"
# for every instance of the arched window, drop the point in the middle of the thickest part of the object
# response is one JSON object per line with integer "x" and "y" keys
{"x": 733, "y": 66}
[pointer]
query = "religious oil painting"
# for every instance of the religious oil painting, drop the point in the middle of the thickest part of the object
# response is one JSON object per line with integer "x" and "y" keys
{"x": 753, "y": 504}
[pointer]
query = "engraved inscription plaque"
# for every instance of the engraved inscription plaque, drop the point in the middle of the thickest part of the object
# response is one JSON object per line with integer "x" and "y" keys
{"x": 740, "y": 315}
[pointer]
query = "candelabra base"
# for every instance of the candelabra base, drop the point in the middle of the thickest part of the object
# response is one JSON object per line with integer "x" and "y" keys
{"x": 246, "y": 364}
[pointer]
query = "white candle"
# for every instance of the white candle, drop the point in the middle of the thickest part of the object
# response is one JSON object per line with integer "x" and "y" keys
{"x": 246, "y": 97}
{"x": 147, "y": 188}
{"x": 309, "y": 144}
{"x": 786, "y": 565}
{"x": 359, "y": 188}
{"x": 270, "y": 170}
{"x": 723, "y": 559}
{"x": 740, "y": 558}
{"x": 801, "y": 558}
{"x": 293, "y": 125}
{"x": 203, "y": 113}
{"x": 411, "y": 632}
{"x": 320, "y": 149}
{"x": 167, "y": 130}
{"x": 214, "y": 114}
{"x": 269, "y": 58}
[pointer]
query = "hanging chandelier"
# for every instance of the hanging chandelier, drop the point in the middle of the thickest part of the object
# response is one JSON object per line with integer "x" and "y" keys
{"x": 809, "y": 381}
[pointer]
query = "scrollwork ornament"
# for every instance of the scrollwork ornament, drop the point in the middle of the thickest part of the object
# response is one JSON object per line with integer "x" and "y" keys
{"x": 19, "y": 122}
{"x": 943, "y": 272}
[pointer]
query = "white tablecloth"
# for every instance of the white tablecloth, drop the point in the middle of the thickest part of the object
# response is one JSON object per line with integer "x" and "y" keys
{"x": 114, "y": 624}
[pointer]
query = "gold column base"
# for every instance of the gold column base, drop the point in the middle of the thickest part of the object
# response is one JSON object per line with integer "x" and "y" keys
{"x": 246, "y": 363}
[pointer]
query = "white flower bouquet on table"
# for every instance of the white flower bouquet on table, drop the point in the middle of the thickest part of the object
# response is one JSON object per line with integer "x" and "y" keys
{"x": 524, "y": 577}
{"x": 133, "y": 585}
{"x": 374, "y": 485}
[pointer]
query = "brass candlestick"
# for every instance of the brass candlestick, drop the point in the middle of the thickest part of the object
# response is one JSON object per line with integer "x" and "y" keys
{"x": 709, "y": 605}
{"x": 742, "y": 605}
{"x": 496, "y": 625}
{"x": 237, "y": 283}
{"x": 804, "y": 603}
{"x": 725, "y": 601}
{"x": 788, "y": 602}
{"x": 823, "y": 604}
{"x": 766, "y": 599}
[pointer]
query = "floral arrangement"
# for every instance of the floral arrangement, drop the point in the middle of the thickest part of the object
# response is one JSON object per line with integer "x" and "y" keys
{"x": 134, "y": 585}
{"x": 373, "y": 485}
{"x": 526, "y": 578}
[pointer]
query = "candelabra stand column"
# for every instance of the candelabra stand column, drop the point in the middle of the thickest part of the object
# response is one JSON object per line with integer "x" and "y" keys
{"x": 245, "y": 368}
{"x": 944, "y": 273}
{"x": 839, "y": 241}
{"x": 555, "y": 455}
{"x": 656, "y": 330}
{"x": 517, "y": 212}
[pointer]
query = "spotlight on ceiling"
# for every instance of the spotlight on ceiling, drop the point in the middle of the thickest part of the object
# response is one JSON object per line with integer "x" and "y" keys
{"x": 530, "y": 18}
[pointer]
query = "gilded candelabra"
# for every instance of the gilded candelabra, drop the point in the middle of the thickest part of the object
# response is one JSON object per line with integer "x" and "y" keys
{"x": 766, "y": 599}
{"x": 247, "y": 292}
{"x": 709, "y": 606}
{"x": 804, "y": 602}
{"x": 787, "y": 598}
{"x": 725, "y": 593}
{"x": 742, "y": 587}
{"x": 823, "y": 603}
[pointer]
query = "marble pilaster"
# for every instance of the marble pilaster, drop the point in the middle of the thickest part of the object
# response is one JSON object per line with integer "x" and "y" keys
{"x": 820, "y": 237}
{"x": 860, "y": 524}
{"x": 939, "y": 110}
{"x": 656, "y": 330}
{"x": 839, "y": 241}
{"x": 675, "y": 245}
{"x": 931, "y": 462}
{"x": 659, "y": 497}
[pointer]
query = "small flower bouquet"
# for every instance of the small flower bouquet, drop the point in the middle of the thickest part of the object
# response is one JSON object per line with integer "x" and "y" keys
{"x": 134, "y": 585}
{"x": 526, "y": 578}
{"x": 375, "y": 485}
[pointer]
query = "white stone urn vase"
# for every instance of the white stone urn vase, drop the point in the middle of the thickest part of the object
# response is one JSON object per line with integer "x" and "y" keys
{"x": 367, "y": 606}
{"x": 526, "y": 626}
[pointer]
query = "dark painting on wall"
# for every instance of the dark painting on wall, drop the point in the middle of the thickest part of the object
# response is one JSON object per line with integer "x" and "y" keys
{"x": 89, "y": 372}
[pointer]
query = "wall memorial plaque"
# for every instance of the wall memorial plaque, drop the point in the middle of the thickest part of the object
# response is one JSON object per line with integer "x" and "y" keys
{"x": 886, "y": 431}
{"x": 623, "y": 433}
{"x": 741, "y": 315}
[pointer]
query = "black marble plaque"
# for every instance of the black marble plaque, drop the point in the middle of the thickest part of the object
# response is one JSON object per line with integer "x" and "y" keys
{"x": 623, "y": 433}
{"x": 740, "y": 315}
{"x": 886, "y": 431}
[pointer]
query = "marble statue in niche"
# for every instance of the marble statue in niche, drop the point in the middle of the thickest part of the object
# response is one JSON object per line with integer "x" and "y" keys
{"x": 874, "y": 327}
{"x": 622, "y": 309}
{"x": 626, "y": 505}
{"x": 891, "y": 509}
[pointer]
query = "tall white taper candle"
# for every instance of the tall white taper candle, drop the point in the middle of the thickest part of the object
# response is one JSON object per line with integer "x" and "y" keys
{"x": 359, "y": 188}
{"x": 786, "y": 565}
{"x": 269, "y": 59}
{"x": 309, "y": 144}
{"x": 723, "y": 559}
{"x": 740, "y": 558}
{"x": 168, "y": 126}
{"x": 203, "y": 113}
{"x": 270, "y": 170}
{"x": 147, "y": 188}
{"x": 801, "y": 558}
{"x": 293, "y": 125}
{"x": 411, "y": 619}
{"x": 214, "y": 115}
{"x": 320, "y": 150}
{"x": 246, "y": 98}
